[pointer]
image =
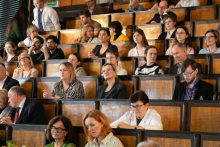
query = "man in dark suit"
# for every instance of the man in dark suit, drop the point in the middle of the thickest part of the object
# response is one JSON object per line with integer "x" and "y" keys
{"x": 193, "y": 88}
{"x": 26, "y": 111}
{"x": 179, "y": 54}
{"x": 6, "y": 82}
{"x": 93, "y": 8}
{"x": 163, "y": 10}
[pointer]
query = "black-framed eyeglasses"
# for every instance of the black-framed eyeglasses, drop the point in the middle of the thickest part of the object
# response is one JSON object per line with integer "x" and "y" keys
{"x": 136, "y": 107}
{"x": 188, "y": 74}
{"x": 23, "y": 58}
{"x": 50, "y": 42}
{"x": 59, "y": 130}
{"x": 208, "y": 37}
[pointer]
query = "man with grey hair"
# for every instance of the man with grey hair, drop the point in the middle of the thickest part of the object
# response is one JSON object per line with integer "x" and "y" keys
{"x": 25, "y": 110}
{"x": 149, "y": 143}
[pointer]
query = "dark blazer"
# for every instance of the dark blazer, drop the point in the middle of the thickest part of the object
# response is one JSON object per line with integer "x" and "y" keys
{"x": 118, "y": 91}
{"x": 97, "y": 10}
{"x": 164, "y": 35}
{"x": 97, "y": 48}
{"x": 9, "y": 82}
{"x": 32, "y": 113}
{"x": 204, "y": 91}
{"x": 173, "y": 69}
{"x": 157, "y": 17}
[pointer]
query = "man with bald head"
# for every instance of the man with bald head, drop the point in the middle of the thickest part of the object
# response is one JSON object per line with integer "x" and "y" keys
{"x": 179, "y": 54}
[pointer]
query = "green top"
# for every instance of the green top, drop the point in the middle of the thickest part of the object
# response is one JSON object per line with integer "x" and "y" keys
{"x": 63, "y": 145}
{"x": 16, "y": 34}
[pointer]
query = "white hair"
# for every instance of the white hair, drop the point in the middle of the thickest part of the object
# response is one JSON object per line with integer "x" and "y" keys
{"x": 148, "y": 143}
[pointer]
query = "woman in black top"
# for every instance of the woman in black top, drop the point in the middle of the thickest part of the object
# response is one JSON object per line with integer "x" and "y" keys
{"x": 100, "y": 50}
{"x": 113, "y": 89}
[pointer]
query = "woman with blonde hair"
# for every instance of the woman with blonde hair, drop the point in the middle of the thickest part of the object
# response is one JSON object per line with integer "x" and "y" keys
{"x": 26, "y": 67}
{"x": 68, "y": 87}
{"x": 10, "y": 48}
{"x": 4, "y": 106}
{"x": 98, "y": 130}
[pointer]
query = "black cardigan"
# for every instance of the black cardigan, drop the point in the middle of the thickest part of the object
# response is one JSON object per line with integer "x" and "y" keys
{"x": 97, "y": 48}
{"x": 164, "y": 35}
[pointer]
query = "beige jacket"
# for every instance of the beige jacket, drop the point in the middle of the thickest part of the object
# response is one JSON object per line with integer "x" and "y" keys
{"x": 33, "y": 72}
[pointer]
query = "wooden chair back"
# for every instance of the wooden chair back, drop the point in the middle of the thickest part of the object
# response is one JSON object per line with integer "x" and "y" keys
{"x": 93, "y": 67}
{"x": 68, "y": 49}
{"x": 128, "y": 63}
{"x": 69, "y": 35}
{"x": 29, "y": 85}
{"x": 123, "y": 47}
{"x": 151, "y": 31}
{"x": 10, "y": 67}
{"x": 102, "y": 19}
{"x": 52, "y": 67}
{"x": 214, "y": 64}
{"x": 159, "y": 44}
{"x": 143, "y": 17}
{"x": 84, "y": 48}
{"x": 124, "y": 18}
{"x": 40, "y": 66}
{"x": 209, "y": 139}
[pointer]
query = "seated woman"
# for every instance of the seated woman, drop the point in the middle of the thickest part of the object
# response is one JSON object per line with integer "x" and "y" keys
{"x": 60, "y": 132}
{"x": 140, "y": 43}
{"x": 26, "y": 67}
{"x": 212, "y": 40}
{"x": 10, "y": 48}
{"x": 32, "y": 31}
{"x": 98, "y": 130}
{"x": 150, "y": 67}
{"x": 100, "y": 50}
{"x": 4, "y": 106}
{"x": 87, "y": 35}
{"x": 170, "y": 23}
{"x": 115, "y": 29}
{"x": 68, "y": 87}
{"x": 182, "y": 36}
{"x": 75, "y": 60}
{"x": 155, "y": 6}
{"x": 140, "y": 116}
{"x": 187, "y": 3}
{"x": 113, "y": 89}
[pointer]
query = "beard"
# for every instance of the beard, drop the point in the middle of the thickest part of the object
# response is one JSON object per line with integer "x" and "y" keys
{"x": 191, "y": 81}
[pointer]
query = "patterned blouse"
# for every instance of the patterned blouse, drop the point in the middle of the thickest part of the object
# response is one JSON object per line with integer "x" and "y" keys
{"x": 74, "y": 90}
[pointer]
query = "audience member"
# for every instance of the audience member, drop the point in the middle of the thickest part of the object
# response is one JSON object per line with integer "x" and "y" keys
{"x": 85, "y": 18}
{"x": 193, "y": 88}
{"x": 112, "y": 57}
{"x": 170, "y": 23}
{"x": 187, "y": 3}
{"x": 140, "y": 43}
{"x": 34, "y": 51}
{"x": 87, "y": 35}
{"x": 115, "y": 29}
{"x": 100, "y": 50}
{"x": 98, "y": 130}
{"x": 26, "y": 111}
{"x": 133, "y": 6}
{"x": 150, "y": 67}
{"x": 10, "y": 48}
{"x": 212, "y": 40}
{"x": 179, "y": 54}
{"x": 4, "y": 107}
{"x": 162, "y": 12}
{"x": 113, "y": 89}
{"x": 93, "y": 8}
{"x": 45, "y": 17}
{"x": 32, "y": 31}
{"x": 6, "y": 82}
{"x": 60, "y": 132}
{"x": 68, "y": 87}
{"x": 50, "y": 50}
{"x": 182, "y": 36}
{"x": 26, "y": 67}
{"x": 148, "y": 143}
{"x": 1, "y": 60}
{"x": 155, "y": 6}
{"x": 18, "y": 25}
{"x": 140, "y": 116}
{"x": 76, "y": 61}
{"x": 218, "y": 28}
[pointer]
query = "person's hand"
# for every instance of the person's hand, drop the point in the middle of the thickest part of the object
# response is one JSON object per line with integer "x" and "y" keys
{"x": 21, "y": 44}
{"x": 126, "y": 10}
{"x": 92, "y": 55}
{"x": 6, "y": 120}
{"x": 178, "y": 6}
{"x": 125, "y": 126}
{"x": 47, "y": 94}
{"x": 153, "y": 22}
{"x": 45, "y": 47}
{"x": 76, "y": 40}
{"x": 167, "y": 10}
{"x": 31, "y": 49}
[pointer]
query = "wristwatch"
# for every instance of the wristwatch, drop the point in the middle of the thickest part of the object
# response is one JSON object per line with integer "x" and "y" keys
{"x": 53, "y": 96}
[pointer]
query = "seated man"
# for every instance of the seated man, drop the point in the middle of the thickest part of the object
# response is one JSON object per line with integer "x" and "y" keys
{"x": 162, "y": 12}
{"x": 193, "y": 88}
{"x": 50, "y": 50}
{"x": 6, "y": 82}
{"x": 85, "y": 18}
{"x": 93, "y": 8}
{"x": 179, "y": 54}
{"x": 34, "y": 51}
{"x": 26, "y": 111}
{"x": 133, "y": 6}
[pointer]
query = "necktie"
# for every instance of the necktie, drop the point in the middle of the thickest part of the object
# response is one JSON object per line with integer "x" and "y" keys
{"x": 16, "y": 115}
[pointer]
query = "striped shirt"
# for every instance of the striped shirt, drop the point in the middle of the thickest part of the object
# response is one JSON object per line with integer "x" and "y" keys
{"x": 74, "y": 90}
{"x": 109, "y": 141}
{"x": 149, "y": 70}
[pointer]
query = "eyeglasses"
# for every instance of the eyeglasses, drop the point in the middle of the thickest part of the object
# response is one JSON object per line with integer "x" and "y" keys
{"x": 136, "y": 107}
{"x": 167, "y": 21}
{"x": 50, "y": 42}
{"x": 108, "y": 70}
{"x": 88, "y": 2}
{"x": 7, "y": 48}
{"x": 35, "y": 4}
{"x": 181, "y": 33}
{"x": 110, "y": 58}
{"x": 188, "y": 74}
{"x": 209, "y": 37}
{"x": 59, "y": 130}
{"x": 23, "y": 58}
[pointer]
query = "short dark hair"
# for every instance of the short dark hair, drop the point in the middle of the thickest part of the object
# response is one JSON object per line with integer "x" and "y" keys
{"x": 139, "y": 96}
{"x": 78, "y": 58}
{"x": 68, "y": 126}
{"x": 53, "y": 38}
{"x": 85, "y": 12}
{"x": 117, "y": 26}
{"x": 189, "y": 62}
{"x": 106, "y": 30}
{"x": 173, "y": 17}
{"x": 3, "y": 64}
{"x": 40, "y": 39}
{"x": 147, "y": 49}
{"x": 114, "y": 52}
{"x": 18, "y": 90}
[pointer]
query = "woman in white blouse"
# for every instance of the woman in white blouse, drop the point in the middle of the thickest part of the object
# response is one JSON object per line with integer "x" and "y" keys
{"x": 187, "y": 3}
{"x": 140, "y": 43}
{"x": 140, "y": 116}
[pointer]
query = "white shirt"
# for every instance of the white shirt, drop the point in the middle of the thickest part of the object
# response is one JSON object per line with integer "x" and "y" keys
{"x": 151, "y": 120}
{"x": 28, "y": 41}
{"x": 93, "y": 40}
{"x": 133, "y": 52}
{"x": 2, "y": 83}
{"x": 121, "y": 71}
{"x": 189, "y": 3}
{"x": 169, "y": 34}
{"x": 21, "y": 105}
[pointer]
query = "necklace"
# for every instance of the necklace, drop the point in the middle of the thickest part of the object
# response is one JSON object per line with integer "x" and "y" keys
{"x": 213, "y": 51}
